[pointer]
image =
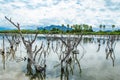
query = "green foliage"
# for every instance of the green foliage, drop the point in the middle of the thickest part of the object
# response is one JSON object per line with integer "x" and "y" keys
{"x": 113, "y": 26}
{"x": 77, "y": 29}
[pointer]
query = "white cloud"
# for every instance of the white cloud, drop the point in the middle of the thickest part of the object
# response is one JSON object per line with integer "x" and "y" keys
{"x": 116, "y": 1}
{"x": 46, "y": 12}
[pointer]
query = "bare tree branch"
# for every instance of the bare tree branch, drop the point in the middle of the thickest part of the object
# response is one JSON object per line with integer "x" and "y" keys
{"x": 38, "y": 51}
{"x": 8, "y": 39}
{"x": 34, "y": 38}
{"x": 18, "y": 27}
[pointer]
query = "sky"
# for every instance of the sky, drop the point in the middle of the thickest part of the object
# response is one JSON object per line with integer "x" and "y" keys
{"x": 57, "y": 12}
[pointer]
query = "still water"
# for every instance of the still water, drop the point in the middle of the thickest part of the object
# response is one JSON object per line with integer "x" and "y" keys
{"x": 98, "y": 58}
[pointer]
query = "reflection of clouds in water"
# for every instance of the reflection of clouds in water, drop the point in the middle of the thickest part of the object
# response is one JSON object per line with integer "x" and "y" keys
{"x": 94, "y": 65}
{"x": 12, "y": 72}
{"x": 109, "y": 73}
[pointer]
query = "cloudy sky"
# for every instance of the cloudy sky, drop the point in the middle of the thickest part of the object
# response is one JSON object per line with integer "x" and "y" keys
{"x": 47, "y": 12}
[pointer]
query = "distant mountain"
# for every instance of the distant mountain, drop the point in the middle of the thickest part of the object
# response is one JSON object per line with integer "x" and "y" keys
{"x": 5, "y": 28}
{"x": 56, "y": 27}
{"x": 96, "y": 29}
{"x": 29, "y": 27}
{"x": 106, "y": 29}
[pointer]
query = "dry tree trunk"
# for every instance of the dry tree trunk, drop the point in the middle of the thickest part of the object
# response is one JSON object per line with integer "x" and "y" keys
{"x": 28, "y": 44}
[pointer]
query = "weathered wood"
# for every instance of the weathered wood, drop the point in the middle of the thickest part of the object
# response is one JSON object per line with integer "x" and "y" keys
{"x": 28, "y": 44}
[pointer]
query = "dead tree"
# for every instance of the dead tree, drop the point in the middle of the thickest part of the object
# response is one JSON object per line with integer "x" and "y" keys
{"x": 70, "y": 44}
{"x": 14, "y": 43}
{"x": 28, "y": 45}
{"x": 68, "y": 55}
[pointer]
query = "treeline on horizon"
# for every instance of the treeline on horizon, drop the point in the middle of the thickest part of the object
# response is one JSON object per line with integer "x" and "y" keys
{"x": 75, "y": 29}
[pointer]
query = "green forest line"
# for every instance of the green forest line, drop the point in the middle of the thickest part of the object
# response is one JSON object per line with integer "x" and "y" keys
{"x": 74, "y": 29}
{"x": 56, "y": 31}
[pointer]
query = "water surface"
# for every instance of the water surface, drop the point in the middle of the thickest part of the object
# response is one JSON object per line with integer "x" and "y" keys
{"x": 91, "y": 57}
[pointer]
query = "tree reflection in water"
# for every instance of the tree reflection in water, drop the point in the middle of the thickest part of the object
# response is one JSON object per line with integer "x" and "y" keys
{"x": 2, "y": 52}
{"x": 99, "y": 45}
{"x": 68, "y": 54}
{"x": 34, "y": 74}
{"x": 110, "y": 48}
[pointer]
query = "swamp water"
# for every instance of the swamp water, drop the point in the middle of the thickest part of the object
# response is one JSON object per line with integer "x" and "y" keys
{"x": 96, "y": 58}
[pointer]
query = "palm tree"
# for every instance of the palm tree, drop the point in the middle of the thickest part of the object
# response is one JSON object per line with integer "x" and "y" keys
{"x": 63, "y": 25}
{"x": 68, "y": 25}
{"x": 74, "y": 26}
{"x": 90, "y": 28}
{"x": 100, "y": 27}
{"x": 113, "y": 26}
{"x": 84, "y": 27}
{"x": 104, "y": 27}
{"x": 80, "y": 27}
